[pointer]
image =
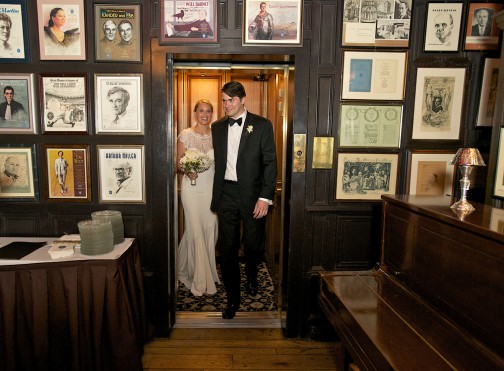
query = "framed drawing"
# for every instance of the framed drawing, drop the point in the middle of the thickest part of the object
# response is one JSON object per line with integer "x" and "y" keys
{"x": 274, "y": 22}
{"x": 431, "y": 173}
{"x": 373, "y": 75}
{"x": 63, "y": 103}
{"x": 67, "y": 171}
{"x": 17, "y": 172}
{"x": 13, "y": 32}
{"x": 188, "y": 22}
{"x": 499, "y": 173}
{"x": 442, "y": 26}
{"x": 119, "y": 104}
{"x": 365, "y": 176}
{"x": 488, "y": 93}
{"x": 482, "y": 32}
{"x": 370, "y": 125}
{"x": 121, "y": 172}
{"x": 17, "y": 110}
{"x": 379, "y": 24}
{"x": 323, "y": 152}
{"x": 118, "y": 36}
{"x": 62, "y": 33}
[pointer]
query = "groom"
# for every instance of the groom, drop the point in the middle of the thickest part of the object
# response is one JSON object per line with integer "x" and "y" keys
{"x": 243, "y": 189}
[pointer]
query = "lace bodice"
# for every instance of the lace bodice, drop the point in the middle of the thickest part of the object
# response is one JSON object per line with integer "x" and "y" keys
{"x": 200, "y": 142}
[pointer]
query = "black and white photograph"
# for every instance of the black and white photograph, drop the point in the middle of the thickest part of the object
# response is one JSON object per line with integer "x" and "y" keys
{"x": 13, "y": 32}
{"x": 17, "y": 109}
{"x": 482, "y": 32}
{"x": 442, "y": 28}
{"x": 16, "y": 173}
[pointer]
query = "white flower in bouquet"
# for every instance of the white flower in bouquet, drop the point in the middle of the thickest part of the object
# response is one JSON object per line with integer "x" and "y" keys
{"x": 195, "y": 161}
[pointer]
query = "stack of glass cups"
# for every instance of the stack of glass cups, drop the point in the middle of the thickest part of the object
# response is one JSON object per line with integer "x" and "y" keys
{"x": 96, "y": 237}
{"x": 116, "y": 219}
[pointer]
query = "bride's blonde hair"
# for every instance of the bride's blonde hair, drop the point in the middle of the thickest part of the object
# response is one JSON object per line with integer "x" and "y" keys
{"x": 202, "y": 101}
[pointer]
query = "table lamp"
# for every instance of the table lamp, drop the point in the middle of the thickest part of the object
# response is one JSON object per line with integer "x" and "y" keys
{"x": 466, "y": 158}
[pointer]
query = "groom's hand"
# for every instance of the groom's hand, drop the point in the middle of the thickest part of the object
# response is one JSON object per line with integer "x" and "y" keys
{"x": 260, "y": 209}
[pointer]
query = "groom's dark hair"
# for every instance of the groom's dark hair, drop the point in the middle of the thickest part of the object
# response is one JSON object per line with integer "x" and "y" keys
{"x": 234, "y": 89}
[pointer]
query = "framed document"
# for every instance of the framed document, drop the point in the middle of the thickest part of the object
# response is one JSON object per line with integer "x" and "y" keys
{"x": 118, "y": 36}
{"x": 13, "y": 32}
{"x": 63, "y": 103}
{"x": 442, "y": 27}
{"x": 488, "y": 93}
{"x": 482, "y": 32}
{"x": 62, "y": 33}
{"x": 17, "y": 172}
{"x": 431, "y": 173}
{"x": 499, "y": 173}
{"x": 17, "y": 110}
{"x": 121, "y": 172}
{"x": 323, "y": 152}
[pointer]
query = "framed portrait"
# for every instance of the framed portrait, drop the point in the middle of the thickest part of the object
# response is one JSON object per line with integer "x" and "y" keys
{"x": 188, "y": 22}
{"x": 442, "y": 26}
{"x": 499, "y": 173}
{"x": 61, "y": 29}
{"x": 482, "y": 32}
{"x": 273, "y": 22}
{"x": 119, "y": 104}
{"x": 438, "y": 103}
{"x": 373, "y": 75}
{"x": 63, "y": 103}
{"x": 67, "y": 171}
{"x": 118, "y": 36}
{"x": 497, "y": 220}
{"x": 365, "y": 176}
{"x": 431, "y": 173}
{"x": 17, "y": 110}
{"x": 121, "y": 172}
{"x": 382, "y": 23}
{"x": 370, "y": 125}
{"x": 17, "y": 172}
{"x": 488, "y": 93}
{"x": 13, "y": 32}
{"x": 323, "y": 153}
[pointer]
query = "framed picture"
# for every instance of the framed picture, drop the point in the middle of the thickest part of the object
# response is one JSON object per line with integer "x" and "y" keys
{"x": 273, "y": 22}
{"x": 379, "y": 24}
{"x": 121, "y": 172}
{"x": 497, "y": 220}
{"x": 370, "y": 125}
{"x": 365, "y": 176}
{"x": 188, "y": 22}
{"x": 482, "y": 32}
{"x": 13, "y": 32}
{"x": 373, "y": 75}
{"x": 118, "y": 36}
{"x": 499, "y": 173}
{"x": 431, "y": 173}
{"x": 119, "y": 104}
{"x": 62, "y": 33}
{"x": 67, "y": 171}
{"x": 17, "y": 172}
{"x": 17, "y": 110}
{"x": 488, "y": 94}
{"x": 63, "y": 103}
{"x": 442, "y": 27}
{"x": 438, "y": 103}
{"x": 323, "y": 152}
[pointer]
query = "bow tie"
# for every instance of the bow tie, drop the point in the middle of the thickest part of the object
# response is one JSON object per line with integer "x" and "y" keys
{"x": 232, "y": 121}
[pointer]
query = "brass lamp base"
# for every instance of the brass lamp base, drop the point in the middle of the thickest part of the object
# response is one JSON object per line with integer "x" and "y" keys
{"x": 462, "y": 205}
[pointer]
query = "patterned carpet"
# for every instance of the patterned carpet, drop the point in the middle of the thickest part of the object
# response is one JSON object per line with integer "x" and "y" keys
{"x": 265, "y": 300}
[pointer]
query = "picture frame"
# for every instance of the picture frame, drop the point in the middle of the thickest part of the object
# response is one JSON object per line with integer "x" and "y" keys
{"x": 184, "y": 22}
{"x": 488, "y": 95}
{"x": 385, "y": 25}
{"x": 497, "y": 220}
{"x": 14, "y": 44}
{"x": 63, "y": 39}
{"x": 373, "y": 75}
{"x": 488, "y": 36}
{"x": 118, "y": 36}
{"x": 63, "y": 103}
{"x": 275, "y": 22}
{"x": 431, "y": 173}
{"x": 23, "y": 108}
{"x": 121, "y": 172}
{"x": 368, "y": 125}
{"x": 18, "y": 174}
{"x": 119, "y": 104}
{"x": 366, "y": 176}
{"x": 67, "y": 172}
{"x": 498, "y": 189}
{"x": 443, "y": 26}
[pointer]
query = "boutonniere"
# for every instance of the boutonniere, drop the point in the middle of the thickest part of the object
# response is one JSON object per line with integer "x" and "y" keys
{"x": 250, "y": 129}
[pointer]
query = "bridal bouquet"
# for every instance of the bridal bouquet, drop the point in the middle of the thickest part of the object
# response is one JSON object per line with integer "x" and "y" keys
{"x": 195, "y": 161}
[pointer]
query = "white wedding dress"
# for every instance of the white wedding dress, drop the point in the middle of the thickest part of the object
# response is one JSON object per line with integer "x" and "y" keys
{"x": 196, "y": 252}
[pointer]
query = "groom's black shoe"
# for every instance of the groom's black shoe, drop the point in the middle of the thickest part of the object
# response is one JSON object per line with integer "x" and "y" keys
{"x": 230, "y": 311}
{"x": 252, "y": 288}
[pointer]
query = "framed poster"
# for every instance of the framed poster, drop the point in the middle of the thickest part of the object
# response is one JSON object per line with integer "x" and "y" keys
{"x": 382, "y": 23}
{"x": 61, "y": 27}
{"x": 121, "y": 172}
{"x": 499, "y": 173}
{"x": 442, "y": 27}
{"x": 274, "y": 22}
{"x": 370, "y": 125}
{"x": 488, "y": 93}
{"x": 13, "y": 32}
{"x": 17, "y": 110}
{"x": 118, "y": 36}
{"x": 17, "y": 172}
{"x": 373, "y": 75}
{"x": 431, "y": 173}
{"x": 365, "y": 176}
{"x": 119, "y": 104}
{"x": 482, "y": 32}
{"x": 63, "y": 103}
{"x": 188, "y": 22}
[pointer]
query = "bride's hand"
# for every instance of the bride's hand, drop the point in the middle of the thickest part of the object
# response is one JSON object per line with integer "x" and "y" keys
{"x": 192, "y": 176}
